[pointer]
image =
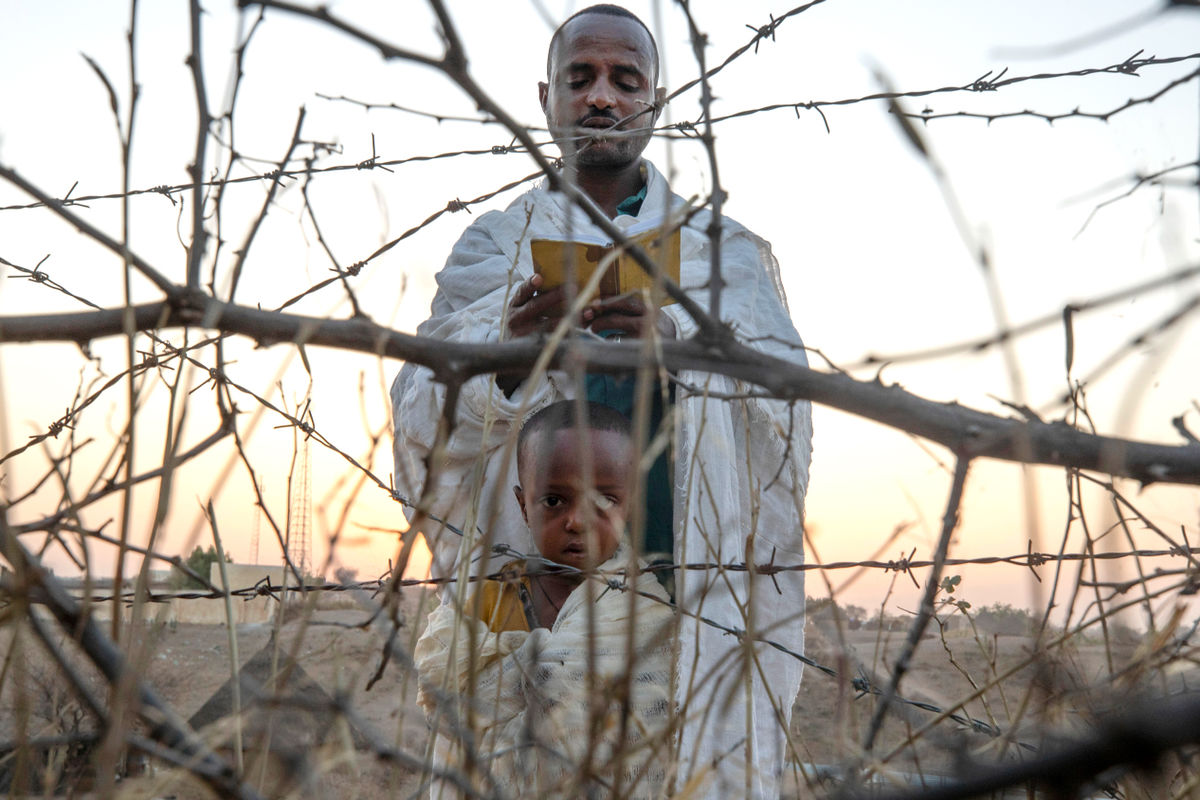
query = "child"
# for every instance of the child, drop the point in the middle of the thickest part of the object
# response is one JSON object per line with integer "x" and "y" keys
{"x": 565, "y": 661}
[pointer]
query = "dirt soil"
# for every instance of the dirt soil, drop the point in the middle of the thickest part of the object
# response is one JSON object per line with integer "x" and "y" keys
{"x": 187, "y": 664}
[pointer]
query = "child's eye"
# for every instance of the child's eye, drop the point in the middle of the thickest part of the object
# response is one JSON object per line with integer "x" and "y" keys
{"x": 605, "y": 502}
{"x": 551, "y": 501}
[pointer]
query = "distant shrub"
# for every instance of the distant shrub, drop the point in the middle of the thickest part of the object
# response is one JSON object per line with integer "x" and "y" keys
{"x": 199, "y": 562}
{"x": 851, "y": 616}
{"x": 1002, "y": 619}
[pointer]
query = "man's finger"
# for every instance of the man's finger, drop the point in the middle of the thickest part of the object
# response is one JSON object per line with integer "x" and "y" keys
{"x": 551, "y": 302}
{"x": 541, "y": 312}
{"x": 525, "y": 291}
{"x": 624, "y": 304}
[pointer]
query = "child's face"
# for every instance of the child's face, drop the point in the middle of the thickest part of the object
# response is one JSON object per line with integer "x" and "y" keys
{"x": 571, "y": 523}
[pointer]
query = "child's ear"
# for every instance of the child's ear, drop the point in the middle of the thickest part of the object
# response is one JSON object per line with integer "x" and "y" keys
{"x": 521, "y": 502}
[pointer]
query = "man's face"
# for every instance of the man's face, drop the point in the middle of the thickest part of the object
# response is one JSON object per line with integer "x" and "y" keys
{"x": 601, "y": 74}
{"x": 572, "y": 522}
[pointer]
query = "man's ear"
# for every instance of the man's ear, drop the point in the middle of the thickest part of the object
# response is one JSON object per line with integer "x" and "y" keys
{"x": 660, "y": 99}
{"x": 521, "y": 502}
{"x": 544, "y": 96}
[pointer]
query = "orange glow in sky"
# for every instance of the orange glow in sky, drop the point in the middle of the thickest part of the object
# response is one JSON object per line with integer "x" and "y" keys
{"x": 871, "y": 256}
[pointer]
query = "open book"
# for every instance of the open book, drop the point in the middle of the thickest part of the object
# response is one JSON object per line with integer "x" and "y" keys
{"x": 551, "y": 258}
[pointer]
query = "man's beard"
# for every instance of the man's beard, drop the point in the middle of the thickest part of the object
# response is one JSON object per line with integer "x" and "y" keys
{"x": 593, "y": 145}
{"x": 596, "y": 147}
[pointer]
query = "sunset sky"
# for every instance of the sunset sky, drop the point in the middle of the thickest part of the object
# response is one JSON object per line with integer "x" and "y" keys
{"x": 872, "y": 259}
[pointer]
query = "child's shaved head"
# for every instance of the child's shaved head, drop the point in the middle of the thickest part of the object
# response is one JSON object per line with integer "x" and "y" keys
{"x": 564, "y": 415}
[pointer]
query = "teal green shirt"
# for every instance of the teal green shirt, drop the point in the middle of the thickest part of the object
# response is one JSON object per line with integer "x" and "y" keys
{"x": 633, "y": 204}
{"x": 618, "y": 391}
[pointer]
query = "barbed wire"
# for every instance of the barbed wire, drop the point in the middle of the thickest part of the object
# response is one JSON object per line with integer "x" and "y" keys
{"x": 414, "y": 111}
{"x": 620, "y": 579}
{"x": 1183, "y": 584}
{"x": 40, "y": 276}
{"x": 451, "y": 207}
{"x": 616, "y": 580}
{"x": 983, "y": 83}
{"x": 903, "y": 565}
{"x": 56, "y": 426}
{"x": 928, "y": 115}
{"x": 273, "y": 175}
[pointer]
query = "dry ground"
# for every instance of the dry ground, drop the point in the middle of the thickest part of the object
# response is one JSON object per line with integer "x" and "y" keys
{"x": 188, "y": 663}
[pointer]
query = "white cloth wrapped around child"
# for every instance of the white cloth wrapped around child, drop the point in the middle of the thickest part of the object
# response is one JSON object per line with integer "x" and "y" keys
{"x": 581, "y": 709}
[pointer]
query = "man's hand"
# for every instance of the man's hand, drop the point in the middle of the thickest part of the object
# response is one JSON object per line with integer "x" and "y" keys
{"x": 532, "y": 310}
{"x": 629, "y": 315}
{"x": 535, "y": 311}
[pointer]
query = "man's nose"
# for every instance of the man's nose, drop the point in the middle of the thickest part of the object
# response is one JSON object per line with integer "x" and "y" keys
{"x": 601, "y": 96}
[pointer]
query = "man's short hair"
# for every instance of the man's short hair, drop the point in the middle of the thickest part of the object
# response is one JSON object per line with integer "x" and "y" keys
{"x": 612, "y": 11}
{"x": 563, "y": 415}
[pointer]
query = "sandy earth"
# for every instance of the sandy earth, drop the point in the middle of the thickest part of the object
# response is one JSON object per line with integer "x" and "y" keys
{"x": 189, "y": 663}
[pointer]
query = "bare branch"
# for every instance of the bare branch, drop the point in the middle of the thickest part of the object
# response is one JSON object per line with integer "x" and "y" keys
{"x": 963, "y": 430}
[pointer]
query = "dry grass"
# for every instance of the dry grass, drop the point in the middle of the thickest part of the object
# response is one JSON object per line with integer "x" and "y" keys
{"x": 1028, "y": 690}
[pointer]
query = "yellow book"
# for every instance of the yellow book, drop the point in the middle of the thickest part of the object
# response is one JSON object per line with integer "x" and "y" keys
{"x": 551, "y": 258}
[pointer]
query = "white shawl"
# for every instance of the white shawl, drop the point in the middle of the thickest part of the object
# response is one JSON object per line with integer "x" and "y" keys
{"x": 740, "y": 476}
{"x": 533, "y": 708}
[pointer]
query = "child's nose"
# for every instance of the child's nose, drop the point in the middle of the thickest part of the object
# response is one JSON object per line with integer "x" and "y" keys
{"x": 575, "y": 518}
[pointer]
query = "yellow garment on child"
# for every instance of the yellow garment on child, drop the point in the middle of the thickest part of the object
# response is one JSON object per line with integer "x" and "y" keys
{"x": 500, "y": 605}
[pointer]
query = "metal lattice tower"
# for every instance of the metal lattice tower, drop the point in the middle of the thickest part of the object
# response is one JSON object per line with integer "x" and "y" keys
{"x": 299, "y": 523}
{"x": 257, "y": 525}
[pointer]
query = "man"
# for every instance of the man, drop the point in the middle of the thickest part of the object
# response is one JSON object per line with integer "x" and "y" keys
{"x": 737, "y": 492}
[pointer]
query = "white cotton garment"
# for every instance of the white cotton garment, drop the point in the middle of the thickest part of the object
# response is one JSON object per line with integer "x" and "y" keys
{"x": 740, "y": 465}
{"x": 581, "y": 709}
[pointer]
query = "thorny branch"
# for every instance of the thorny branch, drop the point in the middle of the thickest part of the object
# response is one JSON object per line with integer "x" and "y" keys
{"x": 1179, "y": 276}
{"x": 166, "y": 727}
{"x": 1138, "y": 737}
{"x": 917, "y": 629}
{"x": 969, "y": 434}
{"x": 974, "y": 433}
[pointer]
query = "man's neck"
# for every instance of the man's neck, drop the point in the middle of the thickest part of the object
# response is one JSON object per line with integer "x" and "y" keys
{"x": 608, "y": 187}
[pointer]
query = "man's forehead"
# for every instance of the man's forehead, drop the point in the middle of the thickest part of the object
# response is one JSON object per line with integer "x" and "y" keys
{"x": 589, "y": 31}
